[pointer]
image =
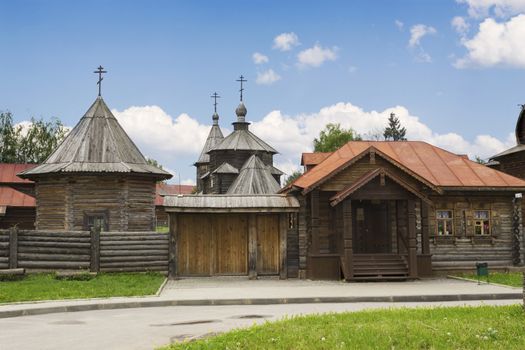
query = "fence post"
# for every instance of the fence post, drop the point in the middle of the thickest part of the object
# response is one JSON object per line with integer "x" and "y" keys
{"x": 172, "y": 247}
{"x": 95, "y": 249}
{"x": 13, "y": 247}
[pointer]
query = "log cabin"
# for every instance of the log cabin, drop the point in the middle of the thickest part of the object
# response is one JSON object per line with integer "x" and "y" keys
{"x": 17, "y": 202}
{"x": 96, "y": 177}
{"x": 397, "y": 210}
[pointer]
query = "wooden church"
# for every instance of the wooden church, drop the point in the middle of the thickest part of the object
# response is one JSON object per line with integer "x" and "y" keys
{"x": 240, "y": 163}
{"x": 96, "y": 177}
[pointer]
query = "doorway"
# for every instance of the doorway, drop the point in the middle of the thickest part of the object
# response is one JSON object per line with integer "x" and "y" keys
{"x": 370, "y": 227}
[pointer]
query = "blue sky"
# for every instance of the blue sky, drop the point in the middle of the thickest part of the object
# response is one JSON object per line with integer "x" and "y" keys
{"x": 450, "y": 81}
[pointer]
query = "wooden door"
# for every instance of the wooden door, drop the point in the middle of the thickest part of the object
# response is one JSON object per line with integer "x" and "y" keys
{"x": 231, "y": 241}
{"x": 194, "y": 245}
{"x": 268, "y": 244}
{"x": 370, "y": 223}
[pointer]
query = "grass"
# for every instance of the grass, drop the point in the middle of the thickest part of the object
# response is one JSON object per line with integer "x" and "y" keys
{"x": 162, "y": 229}
{"x": 46, "y": 287}
{"x": 513, "y": 279}
{"x": 485, "y": 327}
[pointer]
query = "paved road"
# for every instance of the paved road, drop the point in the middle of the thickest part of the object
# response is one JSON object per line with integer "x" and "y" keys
{"x": 147, "y": 328}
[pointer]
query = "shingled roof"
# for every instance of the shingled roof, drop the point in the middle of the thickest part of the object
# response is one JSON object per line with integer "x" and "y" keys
{"x": 214, "y": 138}
{"x": 429, "y": 163}
{"x": 97, "y": 144}
{"x": 254, "y": 178}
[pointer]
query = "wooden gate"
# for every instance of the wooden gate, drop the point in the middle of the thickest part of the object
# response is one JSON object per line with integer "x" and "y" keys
{"x": 210, "y": 245}
{"x": 268, "y": 245}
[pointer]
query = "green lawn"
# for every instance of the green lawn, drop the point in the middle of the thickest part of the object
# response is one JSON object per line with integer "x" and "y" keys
{"x": 47, "y": 287}
{"x": 513, "y": 279}
{"x": 485, "y": 327}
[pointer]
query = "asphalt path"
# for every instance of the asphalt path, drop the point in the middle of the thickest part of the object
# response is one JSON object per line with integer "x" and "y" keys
{"x": 148, "y": 328}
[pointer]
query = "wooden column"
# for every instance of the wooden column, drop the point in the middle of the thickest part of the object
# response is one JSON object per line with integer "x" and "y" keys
{"x": 95, "y": 249}
{"x": 69, "y": 211}
{"x": 314, "y": 217}
{"x": 412, "y": 242}
{"x": 172, "y": 245}
{"x": 425, "y": 233}
{"x": 348, "y": 267}
{"x": 252, "y": 246}
{"x": 13, "y": 248}
{"x": 283, "y": 233}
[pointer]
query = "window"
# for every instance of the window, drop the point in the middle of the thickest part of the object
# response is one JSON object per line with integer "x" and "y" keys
{"x": 444, "y": 220}
{"x": 98, "y": 219}
{"x": 481, "y": 222}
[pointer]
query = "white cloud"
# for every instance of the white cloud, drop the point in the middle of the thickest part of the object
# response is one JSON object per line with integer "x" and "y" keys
{"x": 400, "y": 25}
{"x": 152, "y": 128}
{"x": 259, "y": 58}
{"x": 418, "y": 32}
{"x": 267, "y": 77}
{"x": 498, "y": 8}
{"x": 460, "y": 25}
{"x": 285, "y": 41}
{"x": 292, "y": 135}
{"x": 496, "y": 44}
{"x": 190, "y": 182}
{"x": 316, "y": 56}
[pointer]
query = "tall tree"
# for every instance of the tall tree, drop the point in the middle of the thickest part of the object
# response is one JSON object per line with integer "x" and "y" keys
{"x": 333, "y": 137}
{"x": 9, "y": 136}
{"x": 394, "y": 131}
{"x": 33, "y": 145}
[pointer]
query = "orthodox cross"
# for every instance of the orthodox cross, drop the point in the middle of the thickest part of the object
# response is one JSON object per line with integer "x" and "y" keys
{"x": 215, "y": 96}
{"x": 241, "y": 79}
{"x": 100, "y": 70}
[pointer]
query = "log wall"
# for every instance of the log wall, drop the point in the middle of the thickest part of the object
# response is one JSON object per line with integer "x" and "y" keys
{"x": 83, "y": 250}
{"x": 127, "y": 202}
{"x": 22, "y": 217}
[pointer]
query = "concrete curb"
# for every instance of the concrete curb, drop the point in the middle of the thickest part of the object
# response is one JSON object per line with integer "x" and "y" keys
{"x": 257, "y": 301}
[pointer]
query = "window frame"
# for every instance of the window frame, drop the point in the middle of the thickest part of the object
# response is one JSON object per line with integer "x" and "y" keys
{"x": 101, "y": 213}
{"x": 482, "y": 226}
{"x": 451, "y": 220}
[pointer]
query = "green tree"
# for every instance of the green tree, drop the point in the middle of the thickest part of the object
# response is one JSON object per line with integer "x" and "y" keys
{"x": 480, "y": 160}
{"x": 33, "y": 146}
{"x": 394, "y": 131}
{"x": 9, "y": 136}
{"x": 294, "y": 176}
{"x": 154, "y": 162}
{"x": 333, "y": 137}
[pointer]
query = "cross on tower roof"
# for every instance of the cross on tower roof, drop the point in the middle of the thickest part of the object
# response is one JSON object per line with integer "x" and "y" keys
{"x": 215, "y": 96}
{"x": 241, "y": 79}
{"x": 100, "y": 70}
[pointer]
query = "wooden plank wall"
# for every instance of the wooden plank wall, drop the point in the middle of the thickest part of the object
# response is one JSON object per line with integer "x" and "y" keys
{"x": 292, "y": 245}
{"x": 133, "y": 251}
{"x": 462, "y": 251}
{"x": 4, "y": 249}
{"x": 22, "y": 217}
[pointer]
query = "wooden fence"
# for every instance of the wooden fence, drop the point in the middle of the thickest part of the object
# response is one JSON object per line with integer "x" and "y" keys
{"x": 83, "y": 250}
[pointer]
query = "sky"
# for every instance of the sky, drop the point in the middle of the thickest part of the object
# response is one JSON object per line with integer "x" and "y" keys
{"x": 451, "y": 70}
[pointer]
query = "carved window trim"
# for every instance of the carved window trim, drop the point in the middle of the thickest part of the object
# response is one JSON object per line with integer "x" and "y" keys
{"x": 446, "y": 222}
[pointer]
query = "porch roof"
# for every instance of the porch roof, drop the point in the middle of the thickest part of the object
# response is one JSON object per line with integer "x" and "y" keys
{"x": 435, "y": 166}
{"x": 230, "y": 203}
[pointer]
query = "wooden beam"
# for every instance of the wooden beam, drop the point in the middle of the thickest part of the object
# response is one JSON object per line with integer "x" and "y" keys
{"x": 425, "y": 233}
{"x": 314, "y": 217}
{"x": 252, "y": 246}
{"x": 348, "y": 268}
{"x": 95, "y": 249}
{"x": 412, "y": 242}
{"x": 172, "y": 245}
{"x": 13, "y": 248}
{"x": 283, "y": 236}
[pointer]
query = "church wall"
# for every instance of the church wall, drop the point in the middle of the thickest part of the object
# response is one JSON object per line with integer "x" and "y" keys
{"x": 513, "y": 164}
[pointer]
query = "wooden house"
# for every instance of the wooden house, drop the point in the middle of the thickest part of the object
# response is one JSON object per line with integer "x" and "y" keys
{"x": 96, "y": 176}
{"x": 405, "y": 209}
{"x": 164, "y": 189}
{"x": 17, "y": 204}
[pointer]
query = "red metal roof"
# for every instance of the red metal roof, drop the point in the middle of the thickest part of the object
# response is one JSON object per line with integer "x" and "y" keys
{"x": 10, "y": 197}
{"x": 8, "y": 172}
{"x": 430, "y": 163}
{"x": 166, "y": 189}
{"x": 314, "y": 158}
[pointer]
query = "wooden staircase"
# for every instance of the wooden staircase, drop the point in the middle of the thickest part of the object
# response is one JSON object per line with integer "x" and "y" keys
{"x": 379, "y": 267}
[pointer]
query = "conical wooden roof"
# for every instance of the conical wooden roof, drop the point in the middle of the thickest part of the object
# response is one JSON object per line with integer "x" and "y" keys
{"x": 214, "y": 138}
{"x": 254, "y": 178}
{"x": 97, "y": 144}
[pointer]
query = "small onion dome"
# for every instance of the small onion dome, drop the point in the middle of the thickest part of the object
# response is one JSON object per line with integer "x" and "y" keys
{"x": 241, "y": 112}
{"x": 215, "y": 118}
